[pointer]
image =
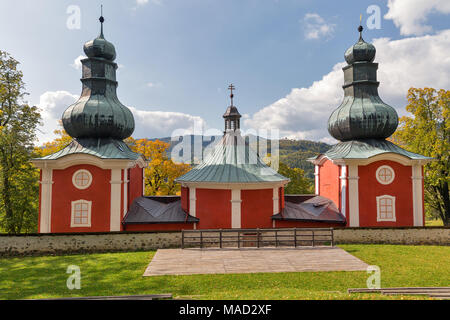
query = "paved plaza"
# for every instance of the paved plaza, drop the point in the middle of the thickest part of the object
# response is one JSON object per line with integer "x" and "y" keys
{"x": 252, "y": 260}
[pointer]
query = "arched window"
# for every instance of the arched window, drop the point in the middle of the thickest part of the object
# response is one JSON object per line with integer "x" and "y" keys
{"x": 81, "y": 213}
{"x": 82, "y": 179}
{"x": 385, "y": 208}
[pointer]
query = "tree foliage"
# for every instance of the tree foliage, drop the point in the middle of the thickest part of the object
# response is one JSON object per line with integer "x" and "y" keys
{"x": 427, "y": 132}
{"x": 62, "y": 140}
{"x": 161, "y": 171}
{"x": 299, "y": 184}
{"x": 18, "y": 178}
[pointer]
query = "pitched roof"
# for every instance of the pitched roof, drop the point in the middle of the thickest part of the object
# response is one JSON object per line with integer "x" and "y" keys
{"x": 157, "y": 210}
{"x": 232, "y": 160}
{"x": 364, "y": 149}
{"x": 106, "y": 148}
{"x": 309, "y": 208}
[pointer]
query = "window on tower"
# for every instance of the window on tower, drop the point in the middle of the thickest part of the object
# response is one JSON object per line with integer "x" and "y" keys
{"x": 385, "y": 175}
{"x": 385, "y": 208}
{"x": 81, "y": 213}
{"x": 82, "y": 179}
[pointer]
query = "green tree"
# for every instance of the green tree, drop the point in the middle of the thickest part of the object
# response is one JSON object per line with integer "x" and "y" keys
{"x": 299, "y": 184}
{"x": 428, "y": 132}
{"x": 19, "y": 187}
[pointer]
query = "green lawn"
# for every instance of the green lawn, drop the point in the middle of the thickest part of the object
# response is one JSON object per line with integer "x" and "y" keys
{"x": 121, "y": 274}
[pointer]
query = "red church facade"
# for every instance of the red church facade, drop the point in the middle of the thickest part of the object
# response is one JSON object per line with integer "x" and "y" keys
{"x": 96, "y": 183}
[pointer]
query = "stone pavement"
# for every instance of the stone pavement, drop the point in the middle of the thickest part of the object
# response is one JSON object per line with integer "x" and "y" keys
{"x": 252, "y": 260}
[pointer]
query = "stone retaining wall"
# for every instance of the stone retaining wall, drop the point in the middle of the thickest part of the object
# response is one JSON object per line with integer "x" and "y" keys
{"x": 124, "y": 241}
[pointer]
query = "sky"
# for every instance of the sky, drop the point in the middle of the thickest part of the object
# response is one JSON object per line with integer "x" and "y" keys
{"x": 177, "y": 57}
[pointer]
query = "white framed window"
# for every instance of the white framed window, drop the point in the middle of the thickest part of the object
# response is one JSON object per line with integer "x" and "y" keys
{"x": 385, "y": 208}
{"x": 81, "y": 214}
{"x": 82, "y": 179}
{"x": 385, "y": 175}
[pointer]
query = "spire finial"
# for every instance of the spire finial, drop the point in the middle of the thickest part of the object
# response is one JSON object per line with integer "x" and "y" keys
{"x": 101, "y": 19}
{"x": 360, "y": 28}
{"x": 231, "y": 87}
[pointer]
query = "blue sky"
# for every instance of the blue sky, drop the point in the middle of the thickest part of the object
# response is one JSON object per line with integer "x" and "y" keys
{"x": 177, "y": 57}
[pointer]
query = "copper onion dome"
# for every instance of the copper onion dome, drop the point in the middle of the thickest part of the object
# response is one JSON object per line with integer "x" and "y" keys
{"x": 99, "y": 113}
{"x": 362, "y": 114}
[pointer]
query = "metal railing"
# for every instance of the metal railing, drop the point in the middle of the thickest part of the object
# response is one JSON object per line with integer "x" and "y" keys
{"x": 226, "y": 238}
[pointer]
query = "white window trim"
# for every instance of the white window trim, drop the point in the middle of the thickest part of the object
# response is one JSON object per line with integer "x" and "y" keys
{"x": 385, "y": 182}
{"x": 82, "y": 187}
{"x": 379, "y": 207}
{"x": 72, "y": 218}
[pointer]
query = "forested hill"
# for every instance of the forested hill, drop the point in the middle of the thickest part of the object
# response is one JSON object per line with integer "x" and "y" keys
{"x": 292, "y": 152}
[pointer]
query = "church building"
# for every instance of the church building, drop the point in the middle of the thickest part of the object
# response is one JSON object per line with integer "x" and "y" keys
{"x": 96, "y": 183}
{"x": 373, "y": 181}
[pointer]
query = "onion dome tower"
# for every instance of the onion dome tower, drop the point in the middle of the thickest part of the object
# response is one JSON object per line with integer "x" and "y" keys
{"x": 90, "y": 184}
{"x": 362, "y": 114}
{"x": 98, "y": 114}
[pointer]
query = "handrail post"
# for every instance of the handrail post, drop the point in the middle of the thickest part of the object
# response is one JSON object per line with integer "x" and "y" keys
{"x": 295, "y": 237}
{"x": 332, "y": 237}
{"x": 201, "y": 239}
{"x": 257, "y": 238}
{"x": 312, "y": 237}
{"x": 276, "y": 238}
{"x": 239, "y": 239}
{"x": 182, "y": 238}
{"x": 220, "y": 238}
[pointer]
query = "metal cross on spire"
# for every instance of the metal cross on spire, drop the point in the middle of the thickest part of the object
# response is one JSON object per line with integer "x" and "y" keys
{"x": 101, "y": 19}
{"x": 360, "y": 28}
{"x": 231, "y": 88}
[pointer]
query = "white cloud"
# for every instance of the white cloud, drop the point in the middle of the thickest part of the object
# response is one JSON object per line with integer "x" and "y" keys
{"x": 144, "y": 2}
{"x": 316, "y": 26}
{"x": 411, "y": 62}
{"x": 411, "y": 15}
{"x": 77, "y": 62}
{"x": 52, "y": 105}
{"x": 154, "y": 124}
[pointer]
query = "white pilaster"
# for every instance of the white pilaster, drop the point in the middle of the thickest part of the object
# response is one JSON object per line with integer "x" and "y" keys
{"x": 46, "y": 200}
{"x": 125, "y": 191}
{"x": 353, "y": 195}
{"x": 276, "y": 201}
{"x": 417, "y": 195}
{"x": 343, "y": 179}
{"x": 236, "y": 208}
{"x": 316, "y": 179}
{"x": 116, "y": 182}
{"x": 192, "y": 203}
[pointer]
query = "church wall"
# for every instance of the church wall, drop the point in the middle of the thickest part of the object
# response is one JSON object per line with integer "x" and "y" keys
{"x": 213, "y": 208}
{"x": 64, "y": 192}
{"x": 135, "y": 177}
{"x": 185, "y": 199}
{"x": 400, "y": 188}
{"x": 329, "y": 181}
{"x": 256, "y": 208}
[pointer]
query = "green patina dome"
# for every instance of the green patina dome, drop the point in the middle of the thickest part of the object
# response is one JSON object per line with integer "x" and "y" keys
{"x": 362, "y": 114}
{"x": 361, "y": 51}
{"x": 99, "y": 113}
{"x": 100, "y": 47}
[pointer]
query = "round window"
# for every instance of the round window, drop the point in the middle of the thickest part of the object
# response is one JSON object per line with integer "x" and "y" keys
{"x": 385, "y": 175}
{"x": 82, "y": 179}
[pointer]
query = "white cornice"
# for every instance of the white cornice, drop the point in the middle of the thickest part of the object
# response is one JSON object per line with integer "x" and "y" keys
{"x": 77, "y": 159}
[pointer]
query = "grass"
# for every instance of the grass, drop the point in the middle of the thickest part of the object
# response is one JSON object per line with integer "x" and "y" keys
{"x": 121, "y": 274}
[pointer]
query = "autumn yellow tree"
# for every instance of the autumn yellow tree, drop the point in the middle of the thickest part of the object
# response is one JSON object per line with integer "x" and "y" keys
{"x": 62, "y": 140}
{"x": 427, "y": 132}
{"x": 161, "y": 172}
